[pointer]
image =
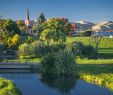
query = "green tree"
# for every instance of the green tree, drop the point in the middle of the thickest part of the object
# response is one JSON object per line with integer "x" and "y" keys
{"x": 41, "y": 19}
{"x": 54, "y": 31}
{"x": 96, "y": 39}
{"x": 37, "y": 27}
{"x": 9, "y": 26}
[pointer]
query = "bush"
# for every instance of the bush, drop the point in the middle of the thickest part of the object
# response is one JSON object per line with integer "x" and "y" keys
{"x": 65, "y": 63}
{"x": 28, "y": 49}
{"x": 48, "y": 62}
{"x": 43, "y": 49}
{"x": 24, "y": 50}
{"x": 76, "y": 48}
{"x": 60, "y": 63}
{"x": 89, "y": 51}
{"x": 7, "y": 87}
{"x": 79, "y": 49}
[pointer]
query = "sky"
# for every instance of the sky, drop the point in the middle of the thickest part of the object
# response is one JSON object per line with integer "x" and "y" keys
{"x": 74, "y": 10}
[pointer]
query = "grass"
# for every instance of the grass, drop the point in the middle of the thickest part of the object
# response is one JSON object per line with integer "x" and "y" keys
{"x": 105, "y": 42}
{"x": 98, "y": 74}
{"x": 94, "y": 61}
{"x": 105, "y": 47}
{"x": 30, "y": 60}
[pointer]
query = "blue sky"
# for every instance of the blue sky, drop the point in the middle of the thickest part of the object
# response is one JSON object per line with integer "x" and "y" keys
{"x": 74, "y": 10}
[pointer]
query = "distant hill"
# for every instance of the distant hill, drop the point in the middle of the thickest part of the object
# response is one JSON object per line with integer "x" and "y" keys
{"x": 98, "y": 27}
{"x": 84, "y": 25}
{"x": 103, "y": 26}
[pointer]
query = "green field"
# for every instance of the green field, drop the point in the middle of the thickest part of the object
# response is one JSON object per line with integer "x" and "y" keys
{"x": 105, "y": 47}
{"x": 106, "y": 43}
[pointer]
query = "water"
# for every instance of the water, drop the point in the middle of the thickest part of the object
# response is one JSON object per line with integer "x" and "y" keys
{"x": 34, "y": 84}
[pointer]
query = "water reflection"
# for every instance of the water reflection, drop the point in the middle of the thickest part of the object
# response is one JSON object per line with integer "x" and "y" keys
{"x": 62, "y": 83}
{"x": 31, "y": 83}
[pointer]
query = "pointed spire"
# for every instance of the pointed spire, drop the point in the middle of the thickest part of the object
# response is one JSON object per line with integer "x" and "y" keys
{"x": 27, "y": 14}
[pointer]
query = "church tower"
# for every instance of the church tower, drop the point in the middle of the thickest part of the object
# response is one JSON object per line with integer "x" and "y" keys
{"x": 27, "y": 22}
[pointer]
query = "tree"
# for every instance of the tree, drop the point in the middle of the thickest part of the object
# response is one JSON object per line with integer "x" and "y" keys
{"x": 41, "y": 19}
{"x": 96, "y": 39}
{"x": 4, "y": 35}
{"x": 54, "y": 31}
{"x": 87, "y": 33}
{"x": 9, "y": 26}
{"x": 37, "y": 27}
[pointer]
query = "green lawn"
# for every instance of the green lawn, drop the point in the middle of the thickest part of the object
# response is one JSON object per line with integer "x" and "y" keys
{"x": 29, "y": 60}
{"x": 94, "y": 61}
{"x": 105, "y": 42}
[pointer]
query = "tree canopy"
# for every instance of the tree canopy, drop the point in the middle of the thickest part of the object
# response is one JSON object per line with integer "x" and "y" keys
{"x": 9, "y": 26}
{"x": 54, "y": 31}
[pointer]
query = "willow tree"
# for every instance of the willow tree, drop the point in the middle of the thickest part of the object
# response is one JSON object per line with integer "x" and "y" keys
{"x": 96, "y": 39}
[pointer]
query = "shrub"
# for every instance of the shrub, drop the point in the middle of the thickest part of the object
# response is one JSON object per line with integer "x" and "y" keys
{"x": 7, "y": 87}
{"x": 64, "y": 63}
{"x": 23, "y": 50}
{"x": 79, "y": 49}
{"x": 89, "y": 51}
{"x": 29, "y": 49}
{"x": 45, "y": 49}
{"x": 59, "y": 63}
{"x": 76, "y": 48}
{"x": 48, "y": 62}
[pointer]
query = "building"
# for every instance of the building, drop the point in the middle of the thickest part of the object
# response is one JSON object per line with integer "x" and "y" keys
{"x": 27, "y": 23}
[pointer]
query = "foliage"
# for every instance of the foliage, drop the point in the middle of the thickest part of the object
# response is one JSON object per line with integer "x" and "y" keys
{"x": 87, "y": 33}
{"x": 54, "y": 31}
{"x": 43, "y": 49}
{"x": 41, "y": 19}
{"x": 21, "y": 25}
{"x": 29, "y": 39}
{"x": 79, "y": 49}
{"x": 65, "y": 63}
{"x": 23, "y": 49}
{"x": 105, "y": 42}
{"x": 48, "y": 63}
{"x": 96, "y": 39}
{"x": 97, "y": 74}
{"x": 28, "y": 49}
{"x": 59, "y": 63}
{"x": 7, "y": 87}
{"x": 4, "y": 35}
{"x": 14, "y": 41}
{"x": 76, "y": 48}
{"x": 89, "y": 51}
{"x": 9, "y": 26}
{"x": 37, "y": 28}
